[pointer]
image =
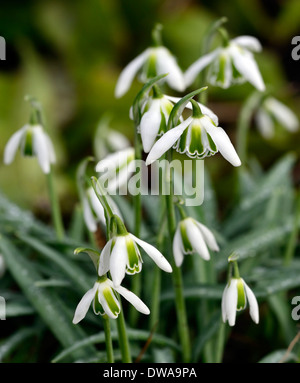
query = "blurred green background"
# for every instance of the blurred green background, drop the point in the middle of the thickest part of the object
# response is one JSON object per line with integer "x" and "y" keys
{"x": 69, "y": 54}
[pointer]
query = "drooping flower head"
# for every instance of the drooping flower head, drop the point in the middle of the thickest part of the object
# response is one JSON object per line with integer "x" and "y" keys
{"x": 105, "y": 301}
{"x": 191, "y": 237}
{"x": 198, "y": 137}
{"x": 121, "y": 254}
{"x": 153, "y": 61}
{"x": 233, "y": 63}
{"x": 235, "y": 297}
{"x": 272, "y": 113}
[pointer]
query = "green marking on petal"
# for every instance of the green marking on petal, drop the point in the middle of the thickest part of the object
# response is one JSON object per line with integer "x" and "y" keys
{"x": 28, "y": 143}
{"x": 181, "y": 147}
{"x": 150, "y": 69}
{"x": 196, "y": 145}
{"x": 97, "y": 307}
{"x": 241, "y": 301}
{"x": 111, "y": 300}
{"x": 134, "y": 257}
{"x": 212, "y": 145}
{"x": 185, "y": 239}
{"x": 221, "y": 76}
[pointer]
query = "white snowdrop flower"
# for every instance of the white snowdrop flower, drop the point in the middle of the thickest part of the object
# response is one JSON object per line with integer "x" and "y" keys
{"x": 32, "y": 141}
{"x": 116, "y": 169}
{"x": 191, "y": 237}
{"x": 105, "y": 301}
{"x": 197, "y": 137}
{"x": 273, "y": 112}
{"x": 121, "y": 255}
{"x": 235, "y": 297}
{"x": 231, "y": 64}
{"x": 93, "y": 211}
{"x": 152, "y": 62}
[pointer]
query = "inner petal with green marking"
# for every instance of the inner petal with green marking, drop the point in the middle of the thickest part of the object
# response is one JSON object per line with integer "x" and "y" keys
{"x": 185, "y": 239}
{"x": 111, "y": 300}
{"x": 242, "y": 300}
{"x": 27, "y": 144}
{"x": 134, "y": 263}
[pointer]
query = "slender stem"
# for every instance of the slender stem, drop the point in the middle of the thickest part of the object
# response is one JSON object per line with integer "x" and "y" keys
{"x": 123, "y": 338}
{"x": 55, "y": 208}
{"x": 177, "y": 278}
{"x": 108, "y": 340}
{"x": 220, "y": 343}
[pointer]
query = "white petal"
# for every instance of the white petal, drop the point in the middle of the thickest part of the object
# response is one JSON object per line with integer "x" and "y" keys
{"x": 167, "y": 141}
{"x": 283, "y": 114}
{"x": 231, "y": 302}
{"x": 104, "y": 261}
{"x": 118, "y": 261}
{"x": 88, "y": 216}
{"x": 12, "y": 145}
{"x": 40, "y": 149}
{"x": 244, "y": 62}
{"x": 51, "y": 151}
{"x": 117, "y": 141}
{"x": 208, "y": 237}
{"x": 84, "y": 304}
{"x": 248, "y": 42}
{"x": 149, "y": 125}
{"x": 128, "y": 73}
{"x": 96, "y": 205}
{"x": 192, "y": 72}
{"x": 222, "y": 142}
{"x": 121, "y": 178}
{"x": 178, "y": 248}
{"x": 253, "y": 305}
{"x": 133, "y": 299}
{"x": 166, "y": 63}
{"x": 154, "y": 254}
{"x": 196, "y": 239}
{"x": 264, "y": 124}
{"x": 114, "y": 161}
{"x": 223, "y": 306}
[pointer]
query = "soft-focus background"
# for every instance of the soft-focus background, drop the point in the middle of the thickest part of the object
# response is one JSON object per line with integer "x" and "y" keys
{"x": 68, "y": 54}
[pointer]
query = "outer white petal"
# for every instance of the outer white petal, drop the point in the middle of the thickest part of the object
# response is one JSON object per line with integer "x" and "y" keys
{"x": 133, "y": 299}
{"x": 178, "y": 248}
{"x": 192, "y": 72}
{"x": 12, "y": 145}
{"x": 264, "y": 124}
{"x": 96, "y": 205}
{"x": 118, "y": 261}
{"x": 121, "y": 178}
{"x": 204, "y": 109}
{"x": 154, "y": 254}
{"x": 222, "y": 142}
{"x": 167, "y": 141}
{"x": 128, "y": 73}
{"x": 208, "y": 237}
{"x": 166, "y": 63}
{"x": 223, "y": 306}
{"x": 51, "y": 151}
{"x": 149, "y": 125}
{"x": 283, "y": 114}
{"x": 230, "y": 302}
{"x": 253, "y": 305}
{"x": 104, "y": 261}
{"x": 113, "y": 161}
{"x": 84, "y": 304}
{"x": 196, "y": 239}
{"x": 88, "y": 216}
{"x": 246, "y": 65}
{"x": 248, "y": 42}
{"x": 40, "y": 148}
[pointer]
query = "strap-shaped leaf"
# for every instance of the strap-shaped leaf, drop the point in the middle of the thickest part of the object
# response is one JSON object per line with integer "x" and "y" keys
{"x": 93, "y": 254}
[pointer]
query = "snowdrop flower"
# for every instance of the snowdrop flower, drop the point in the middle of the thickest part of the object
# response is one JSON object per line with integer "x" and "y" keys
{"x": 116, "y": 168}
{"x": 190, "y": 237}
{"x": 198, "y": 137}
{"x": 105, "y": 301}
{"x": 121, "y": 255}
{"x": 231, "y": 64}
{"x": 273, "y": 112}
{"x": 32, "y": 141}
{"x": 235, "y": 297}
{"x": 93, "y": 211}
{"x": 153, "y": 61}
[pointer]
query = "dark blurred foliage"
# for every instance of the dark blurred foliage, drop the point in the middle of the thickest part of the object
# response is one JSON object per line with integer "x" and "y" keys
{"x": 68, "y": 54}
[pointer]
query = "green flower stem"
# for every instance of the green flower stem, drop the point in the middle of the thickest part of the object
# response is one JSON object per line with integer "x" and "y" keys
{"x": 219, "y": 351}
{"x": 108, "y": 340}
{"x": 123, "y": 337}
{"x": 177, "y": 278}
{"x": 55, "y": 208}
{"x": 244, "y": 123}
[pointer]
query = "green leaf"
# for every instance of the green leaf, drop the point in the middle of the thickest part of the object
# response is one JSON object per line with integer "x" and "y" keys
{"x": 10, "y": 343}
{"x": 279, "y": 356}
{"x": 49, "y": 306}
